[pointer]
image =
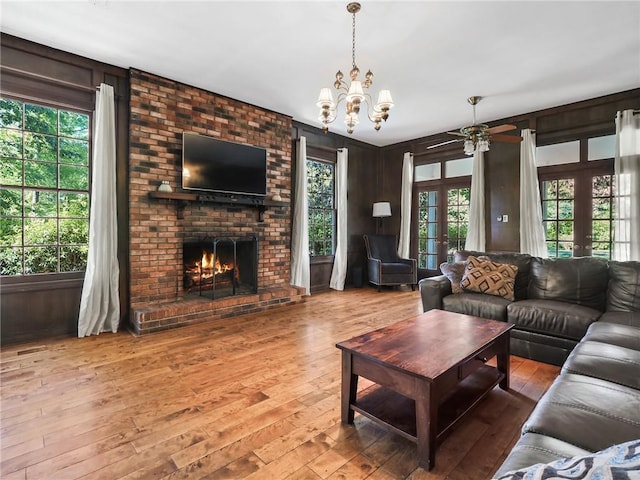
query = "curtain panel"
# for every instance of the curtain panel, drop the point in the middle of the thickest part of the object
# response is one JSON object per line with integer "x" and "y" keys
{"x": 100, "y": 300}
{"x": 626, "y": 244}
{"x": 339, "y": 271}
{"x": 405, "y": 206}
{"x": 476, "y": 232}
{"x": 532, "y": 237}
{"x": 300, "y": 269}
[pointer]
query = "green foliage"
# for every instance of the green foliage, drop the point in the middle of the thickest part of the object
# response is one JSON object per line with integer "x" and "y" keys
{"x": 320, "y": 191}
{"x": 10, "y": 113}
{"x": 46, "y": 229}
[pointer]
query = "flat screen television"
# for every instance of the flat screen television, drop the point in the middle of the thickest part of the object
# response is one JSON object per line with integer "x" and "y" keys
{"x": 216, "y": 165}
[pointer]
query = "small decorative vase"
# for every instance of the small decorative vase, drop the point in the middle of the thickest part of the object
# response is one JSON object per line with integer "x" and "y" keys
{"x": 165, "y": 187}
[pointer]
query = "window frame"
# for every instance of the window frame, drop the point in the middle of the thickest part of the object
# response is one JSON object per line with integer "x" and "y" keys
{"x": 320, "y": 157}
{"x": 62, "y": 275}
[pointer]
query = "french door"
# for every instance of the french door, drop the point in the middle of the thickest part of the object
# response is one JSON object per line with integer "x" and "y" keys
{"x": 577, "y": 212}
{"x": 442, "y": 222}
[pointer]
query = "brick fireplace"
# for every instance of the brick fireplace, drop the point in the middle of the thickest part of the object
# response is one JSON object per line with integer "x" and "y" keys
{"x": 160, "y": 111}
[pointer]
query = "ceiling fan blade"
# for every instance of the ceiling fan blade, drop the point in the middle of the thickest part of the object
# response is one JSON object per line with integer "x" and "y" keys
{"x": 459, "y": 134}
{"x": 501, "y": 128}
{"x": 506, "y": 138}
{"x": 442, "y": 143}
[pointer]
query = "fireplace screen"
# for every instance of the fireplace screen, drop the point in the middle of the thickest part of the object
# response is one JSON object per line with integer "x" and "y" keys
{"x": 221, "y": 267}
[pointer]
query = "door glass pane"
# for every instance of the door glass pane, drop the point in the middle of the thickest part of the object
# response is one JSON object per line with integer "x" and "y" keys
{"x": 602, "y": 208}
{"x": 457, "y": 218}
{"x": 558, "y": 202}
{"x": 427, "y": 230}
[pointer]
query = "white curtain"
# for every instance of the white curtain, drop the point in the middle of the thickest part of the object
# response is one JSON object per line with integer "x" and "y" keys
{"x": 339, "y": 272}
{"x": 300, "y": 275}
{"x": 405, "y": 205}
{"x": 100, "y": 301}
{"x": 475, "y": 234}
{"x": 532, "y": 238}
{"x": 626, "y": 245}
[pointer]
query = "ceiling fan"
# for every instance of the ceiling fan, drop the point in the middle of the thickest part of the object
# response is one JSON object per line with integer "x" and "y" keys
{"x": 478, "y": 135}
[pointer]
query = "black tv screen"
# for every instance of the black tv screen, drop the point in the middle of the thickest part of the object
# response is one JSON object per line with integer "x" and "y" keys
{"x": 221, "y": 166}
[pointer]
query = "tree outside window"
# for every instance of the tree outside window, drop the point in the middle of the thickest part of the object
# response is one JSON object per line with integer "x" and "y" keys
{"x": 44, "y": 189}
{"x": 322, "y": 213}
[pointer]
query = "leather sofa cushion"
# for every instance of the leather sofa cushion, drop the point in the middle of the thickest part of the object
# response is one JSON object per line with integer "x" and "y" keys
{"x": 623, "y": 294}
{"x": 520, "y": 260}
{"x": 623, "y": 318}
{"x": 579, "y": 280}
{"x": 541, "y": 347}
{"x": 477, "y": 304}
{"x": 395, "y": 267}
{"x": 532, "y": 448}
{"x": 551, "y": 317}
{"x": 614, "y": 334}
{"x": 578, "y": 410}
{"x": 608, "y": 362}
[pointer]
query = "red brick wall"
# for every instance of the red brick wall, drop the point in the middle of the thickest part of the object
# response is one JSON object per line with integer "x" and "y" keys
{"x": 161, "y": 109}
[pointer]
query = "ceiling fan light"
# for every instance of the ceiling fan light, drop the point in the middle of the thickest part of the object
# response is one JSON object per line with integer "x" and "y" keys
{"x": 468, "y": 147}
{"x": 483, "y": 145}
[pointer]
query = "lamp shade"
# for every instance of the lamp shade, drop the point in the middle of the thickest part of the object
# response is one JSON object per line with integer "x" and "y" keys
{"x": 381, "y": 209}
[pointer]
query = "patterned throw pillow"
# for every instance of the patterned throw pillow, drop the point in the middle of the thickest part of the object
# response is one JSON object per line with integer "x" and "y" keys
{"x": 617, "y": 462}
{"x": 454, "y": 272}
{"x": 485, "y": 276}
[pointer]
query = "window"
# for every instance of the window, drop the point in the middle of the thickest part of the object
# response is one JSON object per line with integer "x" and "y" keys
{"x": 44, "y": 188}
{"x": 322, "y": 213}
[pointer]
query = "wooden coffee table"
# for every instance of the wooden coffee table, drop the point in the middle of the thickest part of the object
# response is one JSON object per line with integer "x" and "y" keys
{"x": 429, "y": 371}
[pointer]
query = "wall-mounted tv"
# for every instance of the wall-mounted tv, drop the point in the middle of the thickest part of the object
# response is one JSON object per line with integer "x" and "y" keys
{"x": 221, "y": 166}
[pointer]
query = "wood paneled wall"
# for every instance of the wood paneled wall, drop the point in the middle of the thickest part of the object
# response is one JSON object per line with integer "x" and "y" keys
{"x": 362, "y": 191}
{"x": 42, "y": 306}
{"x": 574, "y": 121}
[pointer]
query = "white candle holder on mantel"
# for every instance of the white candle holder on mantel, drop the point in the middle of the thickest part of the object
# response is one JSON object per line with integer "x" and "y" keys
{"x": 165, "y": 187}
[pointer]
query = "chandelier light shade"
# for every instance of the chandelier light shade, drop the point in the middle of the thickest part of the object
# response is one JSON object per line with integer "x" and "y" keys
{"x": 354, "y": 94}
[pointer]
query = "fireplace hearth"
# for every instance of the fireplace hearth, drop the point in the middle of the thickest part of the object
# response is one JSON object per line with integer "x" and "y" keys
{"x": 221, "y": 266}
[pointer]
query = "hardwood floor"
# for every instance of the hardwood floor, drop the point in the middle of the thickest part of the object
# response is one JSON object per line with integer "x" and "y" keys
{"x": 251, "y": 397}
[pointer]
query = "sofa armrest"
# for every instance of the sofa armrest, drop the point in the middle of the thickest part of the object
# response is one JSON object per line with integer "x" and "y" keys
{"x": 433, "y": 290}
{"x": 373, "y": 269}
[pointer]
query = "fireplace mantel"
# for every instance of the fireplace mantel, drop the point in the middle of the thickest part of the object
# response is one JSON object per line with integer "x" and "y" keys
{"x": 183, "y": 199}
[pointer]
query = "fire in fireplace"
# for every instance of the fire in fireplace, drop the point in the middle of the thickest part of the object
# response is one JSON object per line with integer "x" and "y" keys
{"x": 220, "y": 267}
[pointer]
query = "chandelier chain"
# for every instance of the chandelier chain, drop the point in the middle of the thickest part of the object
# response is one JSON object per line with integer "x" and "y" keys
{"x": 353, "y": 40}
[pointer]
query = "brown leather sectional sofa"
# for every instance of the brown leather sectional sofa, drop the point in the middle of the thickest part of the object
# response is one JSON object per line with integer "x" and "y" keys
{"x": 556, "y": 300}
{"x": 583, "y": 314}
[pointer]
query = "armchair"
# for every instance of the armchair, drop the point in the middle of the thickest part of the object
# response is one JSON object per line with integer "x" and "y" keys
{"x": 385, "y": 266}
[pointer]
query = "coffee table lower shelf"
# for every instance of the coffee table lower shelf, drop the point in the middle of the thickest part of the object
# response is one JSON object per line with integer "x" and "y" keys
{"x": 397, "y": 413}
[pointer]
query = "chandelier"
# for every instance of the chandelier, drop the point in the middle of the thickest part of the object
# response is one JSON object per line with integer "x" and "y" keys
{"x": 354, "y": 93}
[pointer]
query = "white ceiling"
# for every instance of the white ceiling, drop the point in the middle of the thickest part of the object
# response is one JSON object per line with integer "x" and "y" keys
{"x": 432, "y": 55}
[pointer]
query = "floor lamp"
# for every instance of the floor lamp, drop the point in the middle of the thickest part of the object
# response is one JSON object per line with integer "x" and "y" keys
{"x": 381, "y": 210}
